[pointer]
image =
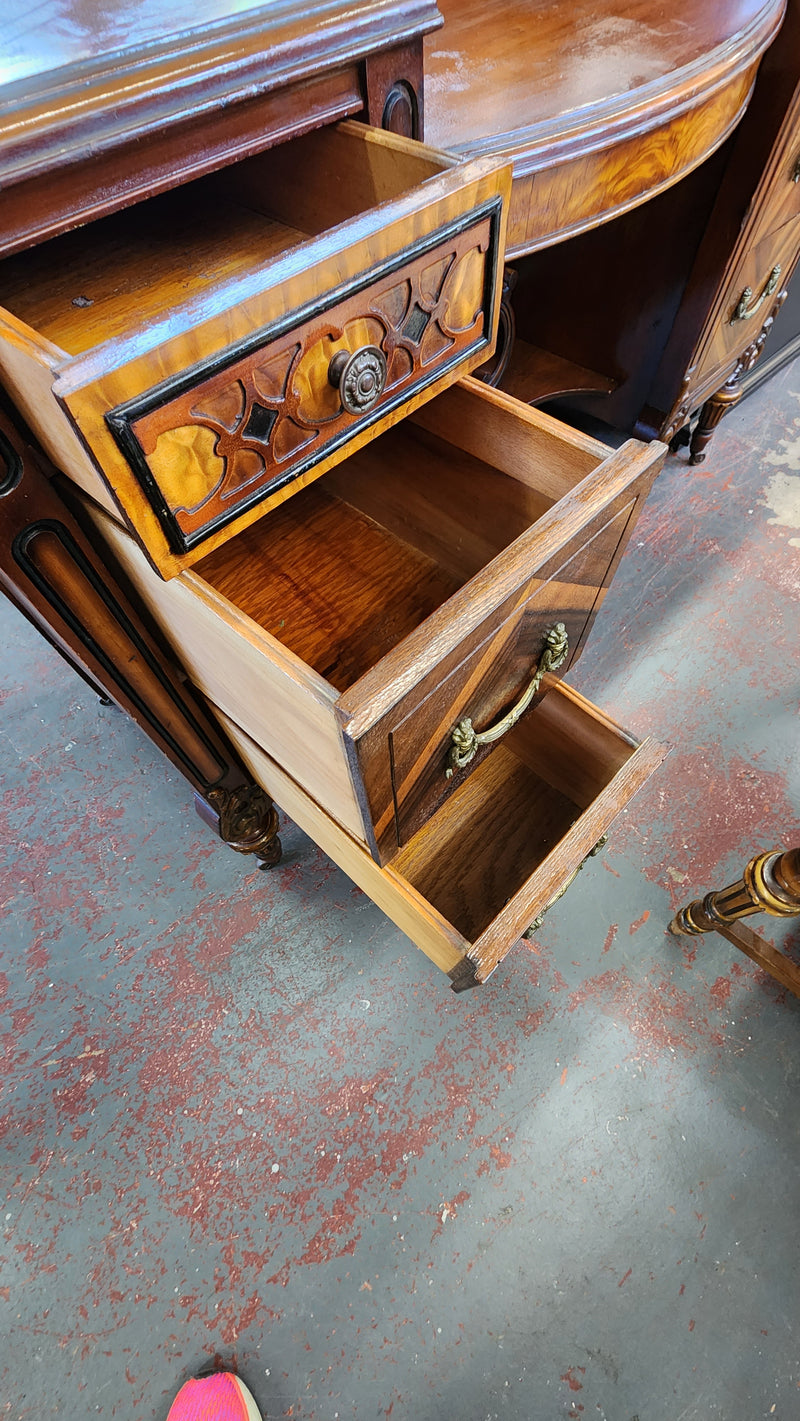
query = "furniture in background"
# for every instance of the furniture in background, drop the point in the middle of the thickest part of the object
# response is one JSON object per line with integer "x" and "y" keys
{"x": 636, "y": 314}
{"x": 227, "y": 493}
{"x": 769, "y": 884}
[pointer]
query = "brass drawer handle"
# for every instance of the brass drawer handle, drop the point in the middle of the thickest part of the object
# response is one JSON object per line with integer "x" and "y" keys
{"x": 359, "y": 378}
{"x": 539, "y": 919}
{"x": 466, "y": 741}
{"x": 744, "y": 311}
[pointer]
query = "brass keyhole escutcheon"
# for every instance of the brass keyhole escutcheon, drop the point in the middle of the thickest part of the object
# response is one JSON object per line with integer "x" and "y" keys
{"x": 360, "y": 378}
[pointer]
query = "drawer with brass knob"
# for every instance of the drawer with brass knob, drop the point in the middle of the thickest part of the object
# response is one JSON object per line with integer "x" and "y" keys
{"x": 195, "y": 360}
{"x": 389, "y": 631}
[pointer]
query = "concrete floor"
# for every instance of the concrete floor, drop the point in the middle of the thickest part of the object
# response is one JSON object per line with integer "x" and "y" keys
{"x": 243, "y": 1118}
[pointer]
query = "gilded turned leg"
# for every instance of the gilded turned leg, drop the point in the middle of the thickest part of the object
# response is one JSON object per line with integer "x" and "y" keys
{"x": 770, "y": 884}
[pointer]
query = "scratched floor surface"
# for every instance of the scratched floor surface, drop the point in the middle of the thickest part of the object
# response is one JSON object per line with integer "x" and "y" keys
{"x": 243, "y": 1118}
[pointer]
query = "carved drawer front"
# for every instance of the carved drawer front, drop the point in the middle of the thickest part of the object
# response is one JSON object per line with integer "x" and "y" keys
{"x": 777, "y": 200}
{"x": 432, "y": 579}
{"x": 757, "y": 286}
{"x": 216, "y": 349}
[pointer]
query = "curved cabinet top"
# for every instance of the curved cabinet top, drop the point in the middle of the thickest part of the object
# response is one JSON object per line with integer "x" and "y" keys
{"x": 623, "y": 95}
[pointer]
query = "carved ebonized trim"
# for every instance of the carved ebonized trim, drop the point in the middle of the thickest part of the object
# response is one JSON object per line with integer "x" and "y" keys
{"x": 10, "y": 466}
{"x": 22, "y": 548}
{"x": 121, "y": 419}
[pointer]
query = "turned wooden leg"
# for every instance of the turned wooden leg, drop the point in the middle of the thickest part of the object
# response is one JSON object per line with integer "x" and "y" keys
{"x": 770, "y": 884}
{"x": 710, "y": 416}
{"x": 731, "y": 392}
{"x": 67, "y": 587}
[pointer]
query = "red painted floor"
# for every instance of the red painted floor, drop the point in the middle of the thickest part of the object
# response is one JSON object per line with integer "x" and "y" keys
{"x": 243, "y": 1118}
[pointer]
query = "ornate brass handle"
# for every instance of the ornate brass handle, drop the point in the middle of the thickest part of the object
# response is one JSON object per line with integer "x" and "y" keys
{"x": 359, "y": 378}
{"x": 465, "y": 741}
{"x": 744, "y": 311}
{"x": 539, "y": 919}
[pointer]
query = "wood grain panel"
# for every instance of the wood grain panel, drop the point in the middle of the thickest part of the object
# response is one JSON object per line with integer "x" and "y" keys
{"x": 158, "y": 339}
{"x": 632, "y": 467}
{"x": 503, "y": 432}
{"x": 487, "y": 681}
{"x": 211, "y": 81}
{"x": 337, "y": 589}
{"x": 408, "y": 910}
{"x": 27, "y": 367}
{"x": 726, "y": 337}
{"x": 244, "y": 672}
{"x": 599, "y": 104}
{"x": 570, "y": 196}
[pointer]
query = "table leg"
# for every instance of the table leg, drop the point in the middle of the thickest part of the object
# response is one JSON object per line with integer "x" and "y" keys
{"x": 769, "y": 884}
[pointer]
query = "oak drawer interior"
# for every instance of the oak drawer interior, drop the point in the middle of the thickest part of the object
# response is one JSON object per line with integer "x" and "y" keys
{"x": 168, "y": 257}
{"x": 502, "y": 848}
{"x": 352, "y": 629}
{"x": 347, "y": 569}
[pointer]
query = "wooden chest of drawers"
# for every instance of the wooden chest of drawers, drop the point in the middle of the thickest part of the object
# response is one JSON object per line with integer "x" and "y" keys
{"x": 369, "y": 580}
{"x": 743, "y": 264}
{"x": 386, "y": 650}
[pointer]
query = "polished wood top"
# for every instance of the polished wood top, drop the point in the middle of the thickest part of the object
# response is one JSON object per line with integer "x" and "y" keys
{"x": 540, "y": 79}
{"x": 598, "y": 104}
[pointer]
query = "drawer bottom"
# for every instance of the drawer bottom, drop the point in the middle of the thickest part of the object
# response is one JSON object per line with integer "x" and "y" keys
{"x": 499, "y": 851}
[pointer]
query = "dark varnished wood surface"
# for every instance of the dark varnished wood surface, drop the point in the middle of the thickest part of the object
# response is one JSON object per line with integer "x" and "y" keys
{"x": 78, "y": 73}
{"x": 103, "y": 104}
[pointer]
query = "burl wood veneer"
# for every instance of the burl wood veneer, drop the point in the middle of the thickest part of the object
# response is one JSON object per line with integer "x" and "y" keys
{"x": 599, "y": 104}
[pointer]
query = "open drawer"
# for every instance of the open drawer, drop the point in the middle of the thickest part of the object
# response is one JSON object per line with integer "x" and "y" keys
{"x": 431, "y": 588}
{"x": 504, "y": 846}
{"x": 195, "y": 359}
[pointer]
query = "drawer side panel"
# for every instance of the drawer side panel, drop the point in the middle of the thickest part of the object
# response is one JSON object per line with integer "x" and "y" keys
{"x": 242, "y": 675}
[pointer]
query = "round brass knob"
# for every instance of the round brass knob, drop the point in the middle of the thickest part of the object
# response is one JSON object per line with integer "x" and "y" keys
{"x": 359, "y": 378}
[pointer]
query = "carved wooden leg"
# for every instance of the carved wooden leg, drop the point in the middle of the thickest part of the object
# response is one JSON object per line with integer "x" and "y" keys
{"x": 69, "y": 590}
{"x": 731, "y": 392}
{"x": 246, "y": 819}
{"x": 770, "y": 884}
{"x": 710, "y": 416}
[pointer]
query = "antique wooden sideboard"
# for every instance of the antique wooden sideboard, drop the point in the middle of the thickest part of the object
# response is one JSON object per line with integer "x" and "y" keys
{"x": 646, "y": 315}
{"x": 240, "y": 488}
